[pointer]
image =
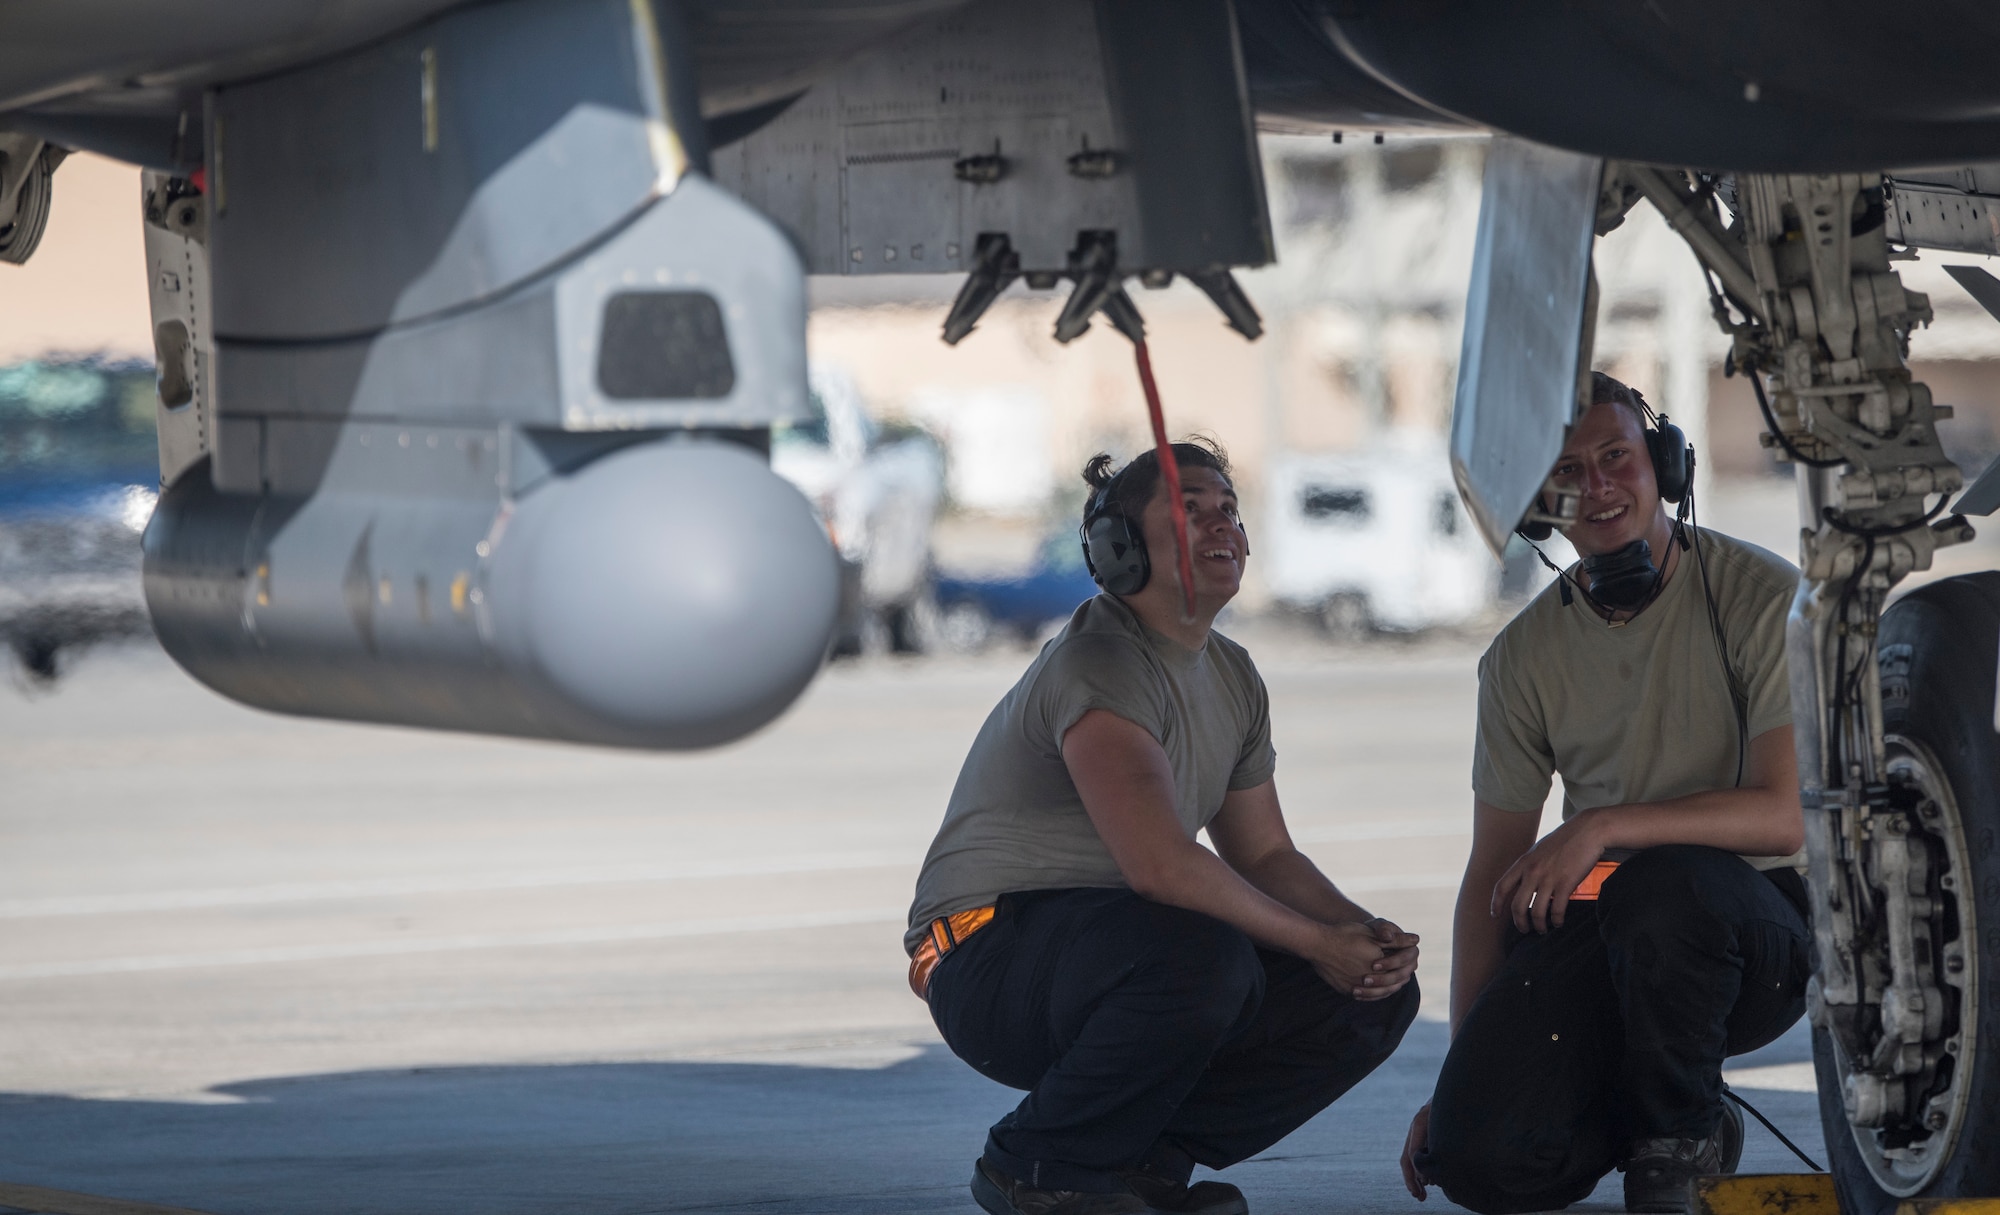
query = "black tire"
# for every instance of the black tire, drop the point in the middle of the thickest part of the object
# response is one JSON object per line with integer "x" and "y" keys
{"x": 1938, "y": 649}
{"x": 37, "y": 653}
{"x": 1346, "y": 616}
{"x": 906, "y": 636}
{"x": 850, "y": 633}
{"x": 964, "y": 627}
{"x": 23, "y": 232}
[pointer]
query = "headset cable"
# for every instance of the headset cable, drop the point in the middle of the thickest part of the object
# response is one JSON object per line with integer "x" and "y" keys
{"x": 1759, "y": 1116}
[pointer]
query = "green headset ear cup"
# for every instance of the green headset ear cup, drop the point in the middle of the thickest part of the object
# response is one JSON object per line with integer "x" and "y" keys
{"x": 1115, "y": 553}
{"x": 1673, "y": 460}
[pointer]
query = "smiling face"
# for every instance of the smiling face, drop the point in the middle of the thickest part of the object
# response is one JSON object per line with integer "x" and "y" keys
{"x": 1220, "y": 546}
{"x": 1605, "y": 457}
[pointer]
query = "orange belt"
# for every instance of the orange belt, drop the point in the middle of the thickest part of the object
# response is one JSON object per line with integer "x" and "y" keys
{"x": 1588, "y": 889}
{"x": 947, "y": 933}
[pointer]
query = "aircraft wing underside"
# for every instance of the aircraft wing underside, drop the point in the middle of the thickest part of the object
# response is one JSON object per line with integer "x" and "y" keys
{"x": 456, "y": 304}
{"x": 473, "y": 323}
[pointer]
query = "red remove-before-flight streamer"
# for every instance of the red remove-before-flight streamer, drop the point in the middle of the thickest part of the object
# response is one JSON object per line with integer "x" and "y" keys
{"x": 1171, "y": 470}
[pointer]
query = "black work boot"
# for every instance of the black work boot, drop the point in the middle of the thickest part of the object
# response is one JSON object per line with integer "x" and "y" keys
{"x": 1657, "y": 1171}
{"x": 998, "y": 1194}
{"x": 1165, "y": 1197}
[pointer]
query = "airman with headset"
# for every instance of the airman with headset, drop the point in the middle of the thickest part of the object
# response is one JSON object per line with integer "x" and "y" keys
{"x": 1164, "y": 1005}
{"x": 1601, "y": 975}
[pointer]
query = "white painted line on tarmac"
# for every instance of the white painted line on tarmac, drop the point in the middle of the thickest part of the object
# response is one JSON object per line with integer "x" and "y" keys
{"x": 1376, "y": 883}
{"x": 1363, "y": 884}
{"x": 1390, "y": 829}
{"x": 389, "y": 887}
{"x": 594, "y": 875}
{"x": 395, "y": 948}
{"x": 1775, "y": 1077}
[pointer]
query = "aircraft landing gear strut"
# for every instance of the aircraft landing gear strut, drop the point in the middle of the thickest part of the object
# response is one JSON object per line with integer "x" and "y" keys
{"x": 1893, "y": 716}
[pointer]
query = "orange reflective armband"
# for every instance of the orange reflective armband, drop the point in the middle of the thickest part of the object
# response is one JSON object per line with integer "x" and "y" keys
{"x": 1587, "y": 890}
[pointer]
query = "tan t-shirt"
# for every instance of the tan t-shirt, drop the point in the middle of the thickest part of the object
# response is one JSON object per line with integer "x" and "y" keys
{"x": 1015, "y": 821}
{"x": 1638, "y": 712}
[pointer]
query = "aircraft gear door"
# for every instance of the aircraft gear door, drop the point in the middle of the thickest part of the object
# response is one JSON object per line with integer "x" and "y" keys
{"x": 1526, "y": 351}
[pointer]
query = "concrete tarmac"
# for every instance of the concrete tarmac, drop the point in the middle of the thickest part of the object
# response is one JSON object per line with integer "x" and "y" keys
{"x": 258, "y": 964}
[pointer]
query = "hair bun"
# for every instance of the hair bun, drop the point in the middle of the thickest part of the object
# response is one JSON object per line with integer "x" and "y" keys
{"x": 1097, "y": 473}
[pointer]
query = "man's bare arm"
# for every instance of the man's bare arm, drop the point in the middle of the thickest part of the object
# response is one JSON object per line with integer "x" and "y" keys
{"x": 1761, "y": 818}
{"x": 1251, "y": 837}
{"x": 1478, "y": 937}
{"x": 1250, "y": 834}
{"x": 1127, "y": 787}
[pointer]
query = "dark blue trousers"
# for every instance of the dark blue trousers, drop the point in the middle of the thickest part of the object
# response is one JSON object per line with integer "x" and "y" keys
{"x": 1614, "y": 1027}
{"x": 1147, "y": 1037}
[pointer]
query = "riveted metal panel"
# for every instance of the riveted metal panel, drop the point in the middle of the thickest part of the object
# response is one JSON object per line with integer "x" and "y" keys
{"x": 1090, "y": 115}
{"x": 1933, "y": 215}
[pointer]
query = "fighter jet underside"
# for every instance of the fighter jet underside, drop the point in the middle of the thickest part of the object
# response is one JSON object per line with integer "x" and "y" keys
{"x": 472, "y": 322}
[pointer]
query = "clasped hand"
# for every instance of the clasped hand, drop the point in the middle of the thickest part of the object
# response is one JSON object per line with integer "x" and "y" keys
{"x": 1369, "y": 961}
{"x": 1535, "y": 890}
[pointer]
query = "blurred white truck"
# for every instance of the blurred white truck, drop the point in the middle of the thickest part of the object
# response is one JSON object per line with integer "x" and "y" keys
{"x": 877, "y": 491}
{"x": 1375, "y": 539}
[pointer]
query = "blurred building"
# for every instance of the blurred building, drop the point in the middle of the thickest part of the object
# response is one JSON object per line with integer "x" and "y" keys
{"x": 1363, "y": 312}
{"x": 84, "y": 291}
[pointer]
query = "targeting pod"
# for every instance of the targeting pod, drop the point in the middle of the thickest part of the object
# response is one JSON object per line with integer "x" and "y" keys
{"x": 671, "y": 593}
{"x": 467, "y": 426}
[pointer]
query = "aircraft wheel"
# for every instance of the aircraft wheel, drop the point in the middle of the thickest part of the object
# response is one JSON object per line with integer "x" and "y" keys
{"x": 965, "y": 627}
{"x": 1937, "y": 650}
{"x": 1346, "y": 616}
{"x": 37, "y": 653}
{"x": 20, "y": 234}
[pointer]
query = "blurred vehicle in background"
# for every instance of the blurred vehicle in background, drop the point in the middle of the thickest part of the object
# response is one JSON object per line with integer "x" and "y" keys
{"x": 876, "y": 488}
{"x": 1375, "y": 540}
{"x": 79, "y": 469}
{"x": 971, "y": 611}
